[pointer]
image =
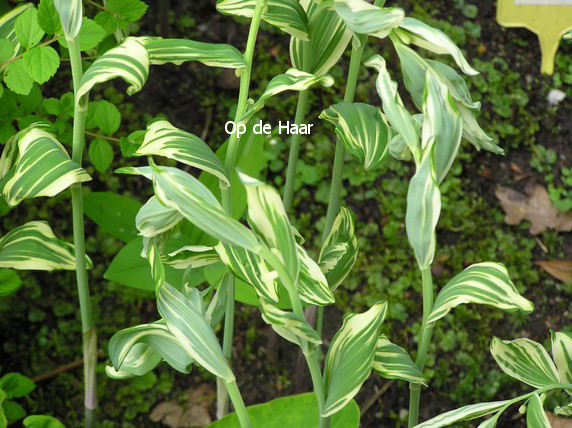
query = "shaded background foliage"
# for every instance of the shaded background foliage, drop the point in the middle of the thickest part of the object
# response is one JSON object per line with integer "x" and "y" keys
{"x": 39, "y": 325}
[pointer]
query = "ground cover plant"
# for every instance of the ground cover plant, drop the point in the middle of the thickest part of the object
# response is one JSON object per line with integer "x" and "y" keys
{"x": 195, "y": 254}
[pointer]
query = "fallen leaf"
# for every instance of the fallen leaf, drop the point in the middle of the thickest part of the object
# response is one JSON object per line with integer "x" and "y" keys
{"x": 193, "y": 413}
{"x": 559, "y": 269}
{"x": 535, "y": 206}
{"x": 558, "y": 422}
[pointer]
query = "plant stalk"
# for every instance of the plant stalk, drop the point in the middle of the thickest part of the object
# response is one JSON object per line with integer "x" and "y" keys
{"x": 238, "y": 404}
{"x": 423, "y": 347}
{"x": 88, "y": 328}
{"x": 229, "y": 163}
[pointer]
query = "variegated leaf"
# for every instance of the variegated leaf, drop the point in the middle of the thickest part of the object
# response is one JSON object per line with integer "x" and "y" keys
{"x": 7, "y": 22}
{"x": 155, "y": 218}
{"x": 191, "y": 256}
{"x": 483, "y": 283}
{"x": 292, "y": 80}
{"x": 363, "y": 129}
{"x": 71, "y": 14}
{"x": 312, "y": 285}
{"x": 178, "y": 51}
{"x": 42, "y": 168}
{"x": 350, "y": 357}
{"x": 525, "y": 360}
{"x": 163, "y": 139}
{"x": 564, "y": 410}
{"x": 393, "y": 362}
{"x": 562, "y": 355}
{"x": 434, "y": 40}
{"x": 140, "y": 360}
{"x": 340, "y": 249}
{"x": 188, "y": 324}
{"x": 474, "y": 134}
{"x": 465, "y": 413}
{"x": 129, "y": 61}
{"x": 251, "y": 268}
{"x": 33, "y": 246}
{"x": 535, "y": 415}
{"x": 288, "y": 15}
{"x": 399, "y": 118}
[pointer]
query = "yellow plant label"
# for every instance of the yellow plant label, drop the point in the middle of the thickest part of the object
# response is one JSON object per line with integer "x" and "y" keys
{"x": 549, "y": 19}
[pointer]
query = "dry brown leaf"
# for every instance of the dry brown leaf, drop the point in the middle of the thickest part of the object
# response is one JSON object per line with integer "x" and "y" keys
{"x": 558, "y": 422}
{"x": 195, "y": 413}
{"x": 559, "y": 269}
{"x": 534, "y": 206}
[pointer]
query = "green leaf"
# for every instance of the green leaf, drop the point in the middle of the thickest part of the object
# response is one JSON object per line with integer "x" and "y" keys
{"x": 100, "y": 154}
{"x": 27, "y": 29}
{"x": 107, "y": 117}
{"x": 6, "y": 50}
{"x": 90, "y": 35}
{"x": 42, "y": 421}
{"x": 70, "y": 12}
{"x": 482, "y": 283}
{"x": 163, "y": 139}
{"x": 3, "y": 421}
{"x": 41, "y": 63}
{"x": 340, "y": 249}
{"x": 350, "y": 357}
{"x": 363, "y": 129}
{"x": 465, "y": 413}
{"x": 535, "y": 415}
{"x": 8, "y": 21}
{"x": 130, "y": 10}
{"x": 525, "y": 360}
{"x": 10, "y": 282}
{"x": 562, "y": 354}
{"x": 106, "y": 21}
{"x": 13, "y": 411}
{"x": 393, "y": 362}
{"x": 16, "y": 385}
{"x": 17, "y": 78}
{"x": 292, "y": 411}
{"x": 48, "y": 17}
{"x": 113, "y": 213}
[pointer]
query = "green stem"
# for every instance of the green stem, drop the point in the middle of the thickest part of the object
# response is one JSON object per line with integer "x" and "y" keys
{"x": 426, "y": 330}
{"x": 230, "y": 160}
{"x": 238, "y": 404}
{"x": 88, "y": 328}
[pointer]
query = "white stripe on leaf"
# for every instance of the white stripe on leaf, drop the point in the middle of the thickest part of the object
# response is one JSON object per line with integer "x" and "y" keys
{"x": 393, "y": 362}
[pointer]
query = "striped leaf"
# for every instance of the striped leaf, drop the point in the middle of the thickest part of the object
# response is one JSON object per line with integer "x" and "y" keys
{"x": 483, "y": 283}
{"x": 139, "y": 361}
{"x": 43, "y": 168}
{"x": 163, "y": 139}
{"x": 350, "y": 357}
{"x": 474, "y": 134}
{"x": 33, "y": 246}
{"x": 393, "y": 362}
{"x": 288, "y": 15}
{"x": 178, "y": 51}
{"x": 156, "y": 339}
{"x": 251, "y": 268}
{"x": 129, "y": 61}
{"x": 312, "y": 284}
{"x": 71, "y": 14}
{"x": 363, "y": 129}
{"x": 292, "y": 80}
{"x": 562, "y": 355}
{"x": 191, "y": 256}
{"x": 455, "y": 82}
{"x": 434, "y": 40}
{"x": 290, "y": 326}
{"x": 340, "y": 249}
{"x": 535, "y": 415}
{"x": 155, "y": 218}
{"x": 525, "y": 360}
{"x": 268, "y": 218}
{"x": 188, "y": 324}
{"x": 7, "y": 22}
{"x": 399, "y": 118}
{"x": 329, "y": 38}
{"x": 564, "y": 410}
{"x": 465, "y": 413}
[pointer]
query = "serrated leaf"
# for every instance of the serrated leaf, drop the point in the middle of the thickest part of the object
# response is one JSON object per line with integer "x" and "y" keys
{"x": 100, "y": 154}
{"x": 90, "y": 35}
{"x": 106, "y": 21}
{"x": 27, "y": 29}
{"x": 16, "y": 385}
{"x": 6, "y": 50}
{"x": 130, "y": 10}
{"x": 107, "y": 117}
{"x": 48, "y": 17}
{"x": 41, "y": 63}
{"x": 17, "y": 78}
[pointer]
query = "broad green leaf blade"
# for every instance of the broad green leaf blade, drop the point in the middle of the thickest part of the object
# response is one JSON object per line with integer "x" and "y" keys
{"x": 434, "y": 40}
{"x": 340, "y": 249}
{"x": 16, "y": 385}
{"x": 535, "y": 415}
{"x": 7, "y": 31}
{"x": 28, "y": 29}
{"x": 312, "y": 284}
{"x": 33, "y": 246}
{"x": 100, "y": 154}
{"x": 350, "y": 357}
{"x": 292, "y": 80}
{"x": 70, "y": 14}
{"x": 251, "y": 268}
{"x": 178, "y": 51}
{"x": 562, "y": 354}
{"x": 483, "y": 283}
{"x": 114, "y": 213}
{"x": 465, "y": 413}
{"x": 17, "y": 78}
{"x": 129, "y": 61}
{"x": 292, "y": 411}
{"x": 329, "y": 38}
{"x": 363, "y": 130}
{"x": 193, "y": 332}
{"x": 163, "y": 139}
{"x": 41, "y": 63}
{"x": 191, "y": 256}
{"x": 41, "y": 421}
{"x": 43, "y": 168}
{"x": 268, "y": 218}
{"x": 155, "y": 218}
{"x": 10, "y": 282}
{"x": 155, "y": 336}
{"x": 288, "y": 15}
{"x": 399, "y": 118}
{"x": 393, "y": 362}
{"x": 49, "y": 18}
{"x": 525, "y": 360}
{"x": 179, "y": 190}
